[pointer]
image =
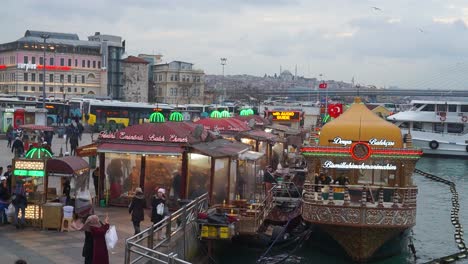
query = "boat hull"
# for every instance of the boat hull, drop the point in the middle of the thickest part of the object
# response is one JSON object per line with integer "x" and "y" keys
{"x": 443, "y": 149}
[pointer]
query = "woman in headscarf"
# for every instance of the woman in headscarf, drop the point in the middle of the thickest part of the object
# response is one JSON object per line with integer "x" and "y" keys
{"x": 98, "y": 232}
{"x": 88, "y": 245}
{"x": 136, "y": 209}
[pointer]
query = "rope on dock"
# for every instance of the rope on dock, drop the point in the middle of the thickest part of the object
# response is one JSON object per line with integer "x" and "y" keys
{"x": 458, "y": 236}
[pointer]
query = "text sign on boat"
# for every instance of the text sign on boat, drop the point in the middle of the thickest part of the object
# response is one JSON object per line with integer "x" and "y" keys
{"x": 372, "y": 141}
{"x": 153, "y": 137}
{"x": 357, "y": 166}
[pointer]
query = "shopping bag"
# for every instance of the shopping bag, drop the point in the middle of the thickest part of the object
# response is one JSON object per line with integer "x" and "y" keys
{"x": 111, "y": 237}
{"x": 10, "y": 211}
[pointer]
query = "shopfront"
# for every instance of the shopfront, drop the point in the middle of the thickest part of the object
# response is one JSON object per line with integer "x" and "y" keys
{"x": 213, "y": 168}
{"x": 150, "y": 156}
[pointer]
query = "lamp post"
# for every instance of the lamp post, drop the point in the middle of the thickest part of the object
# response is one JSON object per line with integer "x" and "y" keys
{"x": 223, "y": 62}
{"x": 45, "y": 37}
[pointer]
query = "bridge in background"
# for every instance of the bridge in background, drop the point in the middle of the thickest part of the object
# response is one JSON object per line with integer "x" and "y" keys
{"x": 304, "y": 92}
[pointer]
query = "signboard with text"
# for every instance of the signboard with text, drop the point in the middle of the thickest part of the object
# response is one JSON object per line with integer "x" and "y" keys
{"x": 285, "y": 116}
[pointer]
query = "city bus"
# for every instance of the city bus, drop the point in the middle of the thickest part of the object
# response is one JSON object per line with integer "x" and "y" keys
{"x": 57, "y": 112}
{"x": 117, "y": 112}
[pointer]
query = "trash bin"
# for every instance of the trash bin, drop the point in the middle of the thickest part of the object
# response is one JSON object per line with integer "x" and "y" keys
{"x": 52, "y": 215}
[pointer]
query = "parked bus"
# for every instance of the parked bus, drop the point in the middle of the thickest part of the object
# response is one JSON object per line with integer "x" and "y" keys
{"x": 126, "y": 113}
{"x": 57, "y": 112}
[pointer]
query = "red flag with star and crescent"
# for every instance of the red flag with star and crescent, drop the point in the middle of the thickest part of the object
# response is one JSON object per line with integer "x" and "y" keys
{"x": 335, "y": 110}
{"x": 323, "y": 85}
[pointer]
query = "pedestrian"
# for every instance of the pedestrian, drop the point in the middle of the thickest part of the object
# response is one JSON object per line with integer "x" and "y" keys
{"x": 10, "y": 136}
{"x": 158, "y": 204}
{"x": 96, "y": 181}
{"x": 20, "y": 202}
{"x": 73, "y": 144}
{"x": 4, "y": 199}
{"x": 136, "y": 209}
{"x": 66, "y": 191}
{"x": 98, "y": 233}
{"x": 87, "y": 252}
{"x": 17, "y": 148}
{"x": 9, "y": 175}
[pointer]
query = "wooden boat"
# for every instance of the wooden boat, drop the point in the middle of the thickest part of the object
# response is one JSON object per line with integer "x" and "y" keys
{"x": 379, "y": 203}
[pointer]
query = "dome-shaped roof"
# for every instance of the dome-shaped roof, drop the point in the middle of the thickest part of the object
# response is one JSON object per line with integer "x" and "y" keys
{"x": 38, "y": 153}
{"x": 358, "y": 123}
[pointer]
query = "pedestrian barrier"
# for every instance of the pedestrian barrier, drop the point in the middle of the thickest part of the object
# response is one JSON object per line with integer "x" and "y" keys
{"x": 143, "y": 247}
{"x": 458, "y": 236}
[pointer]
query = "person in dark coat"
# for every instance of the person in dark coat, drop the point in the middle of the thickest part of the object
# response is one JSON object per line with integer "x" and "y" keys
{"x": 87, "y": 252}
{"x": 66, "y": 191}
{"x": 17, "y": 147}
{"x": 98, "y": 233}
{"x": 4, "y": 199}
{"x": 158, "y": 204}
{"x": 20, "y": 203}
{"x": 136, "y": 209}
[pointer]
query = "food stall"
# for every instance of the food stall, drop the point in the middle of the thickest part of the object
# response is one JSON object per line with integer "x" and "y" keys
{"x": 32, "y": 170}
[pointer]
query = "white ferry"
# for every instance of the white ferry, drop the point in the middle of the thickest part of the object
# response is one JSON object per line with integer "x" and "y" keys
{"x": 437, "y": 127}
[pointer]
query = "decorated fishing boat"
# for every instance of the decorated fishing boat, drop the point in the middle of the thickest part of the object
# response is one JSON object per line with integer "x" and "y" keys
{"x": 364, "y": 196}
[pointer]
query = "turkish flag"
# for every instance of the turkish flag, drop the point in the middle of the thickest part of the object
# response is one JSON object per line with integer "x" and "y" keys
{"x": 323, "y": 86}
{"x": 335, "y": 110}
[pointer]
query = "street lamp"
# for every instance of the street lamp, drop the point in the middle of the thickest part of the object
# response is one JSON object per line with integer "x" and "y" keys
{"x": 223, "y": 62}
{"x": 45, "y": 37}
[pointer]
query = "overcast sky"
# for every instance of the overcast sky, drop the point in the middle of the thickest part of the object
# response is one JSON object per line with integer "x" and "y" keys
{"x": 408, "y": 43}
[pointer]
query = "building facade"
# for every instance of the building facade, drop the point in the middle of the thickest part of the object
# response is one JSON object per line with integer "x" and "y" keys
{"x": 112, "y": 50}
{"x": 135, "y": 79}
{"x": 73, "y": 67}
{"x": 177, "y": 83}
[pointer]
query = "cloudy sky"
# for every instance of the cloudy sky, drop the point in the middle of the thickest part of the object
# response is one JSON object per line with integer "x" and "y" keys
{"x": 409, "y": 43}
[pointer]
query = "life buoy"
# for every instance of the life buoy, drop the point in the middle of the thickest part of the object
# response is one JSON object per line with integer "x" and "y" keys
{"x": 464, "y": 119}
{"x": 443, "y": 118}
{"x": 433, "y": 144}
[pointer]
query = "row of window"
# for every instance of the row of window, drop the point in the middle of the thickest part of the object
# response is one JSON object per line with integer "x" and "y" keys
{"x": 51, "y": 89}
{"x": 8, "y": 60}
{"x": 184, "y": 92}
{"x": 32, "y": 77}
{"x": 175, "y": 77}
{"x": 7, "y": 77}
{"x": 84, "y": 63}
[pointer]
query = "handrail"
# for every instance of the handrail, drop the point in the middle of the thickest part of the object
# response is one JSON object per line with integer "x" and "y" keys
{"x": 182, "y": 217}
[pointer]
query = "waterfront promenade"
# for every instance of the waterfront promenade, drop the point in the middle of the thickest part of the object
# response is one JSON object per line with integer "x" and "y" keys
{"x": 39, "y": 246}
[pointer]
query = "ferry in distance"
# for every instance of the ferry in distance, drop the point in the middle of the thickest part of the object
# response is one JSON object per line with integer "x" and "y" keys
{"x": 437, "y": 127}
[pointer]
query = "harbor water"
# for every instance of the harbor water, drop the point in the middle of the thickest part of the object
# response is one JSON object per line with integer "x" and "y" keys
{"x": 433, "y": 235}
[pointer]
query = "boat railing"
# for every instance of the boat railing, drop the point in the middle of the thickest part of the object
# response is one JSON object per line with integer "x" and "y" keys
{"x": 360, "y": 195}
{"x": 144, "y": 248}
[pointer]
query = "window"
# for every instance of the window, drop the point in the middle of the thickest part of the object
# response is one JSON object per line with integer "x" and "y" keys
{"x": 89, "y": 64}
{"x": 69, "y": 62}
{"x": 82, "y": 79}
{"x": 438, "y": 127}
{"x": 172, "y": 77}
{"x": 25, "y": 88}
{"x": 464, "y": 108}
{"x": 41, "y": 60}
{"x": 62, "y": 78}
{"x": 61, "y": 89}
{"x": 62, "y": 62}
{"x": 25, "y": 59}
{"x": 76, "y": 78}
{"x": 452, "y": 108}
{"x": 25, "y": 77}
{"x": 69, "y": 78}
{"x": 76, "y": 63}
{"x": 75, "y": 89}
{"x": 428, "y": 108}
{"x": 51, "y": 61}
{"x": 51, "y": 89}
{"x": 33, "y": 61}
{"x": 69, "y": 89}
{"x": 176, "y": 77}
{"x": 160, "y": 77}
{"x": 41, "y": 77}
{"x": 455, "y": 128}
{"x": 82, "y": 90}
{"x": 40, "y": 88}
{"x": 94, "y": 64}
{"x": 83, "y": 63}
{"x": 51, "y": 78}
{"x": 99, "y": 64}
{"x": 33, "y": 89}
{"x": 33, "y": 77}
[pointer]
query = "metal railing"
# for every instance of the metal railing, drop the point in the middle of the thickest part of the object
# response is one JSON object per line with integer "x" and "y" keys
{"x": 143, "y": 247}
{"x": 318, "y": 193}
